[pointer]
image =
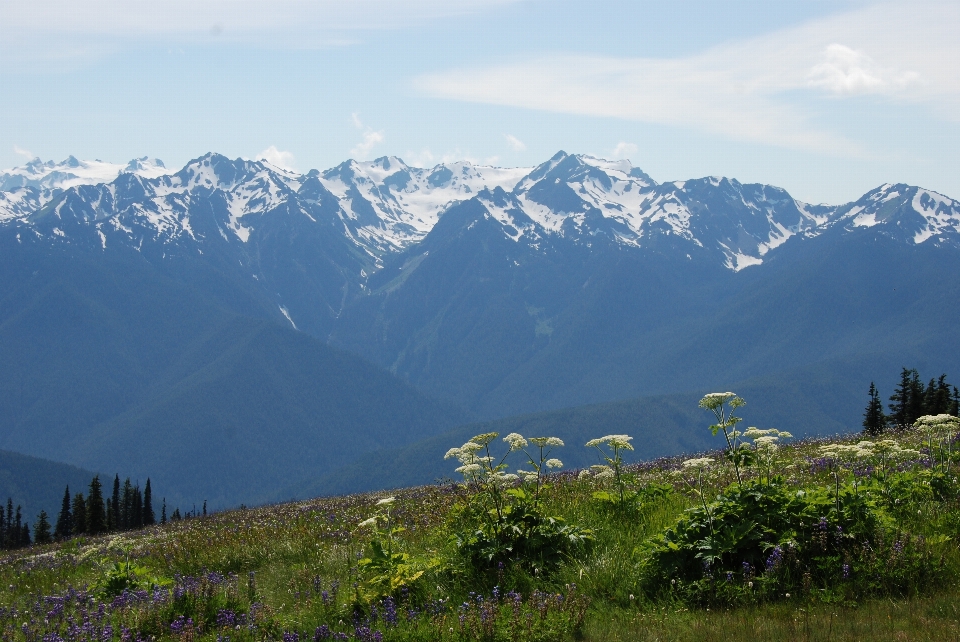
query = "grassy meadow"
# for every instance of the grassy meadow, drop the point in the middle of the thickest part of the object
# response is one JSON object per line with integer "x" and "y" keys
{"x": 829, "y": 539}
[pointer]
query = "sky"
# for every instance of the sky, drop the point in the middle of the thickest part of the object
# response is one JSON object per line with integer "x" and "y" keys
{"x": 825, "y": 99}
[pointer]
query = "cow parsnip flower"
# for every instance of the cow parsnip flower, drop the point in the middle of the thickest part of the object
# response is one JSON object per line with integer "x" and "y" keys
{"x": 515, "y": 441}
{"x": 699, "y": 462}
{"x": 545, "y": 442}
{"x": 553, "y": 463}
{"x": 386, "y": 501}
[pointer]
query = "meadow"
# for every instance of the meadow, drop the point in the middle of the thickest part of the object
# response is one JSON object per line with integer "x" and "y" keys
{"x": 847, "y": 538}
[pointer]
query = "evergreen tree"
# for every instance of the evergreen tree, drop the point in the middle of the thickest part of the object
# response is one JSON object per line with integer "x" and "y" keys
{"x": 18, "y": 531}
{"x": 149, "y": 519}
{"x": 114, "y": 510}
{"x": 915, "y": 405}
{"x": 96, "y": 516}
{"x": 10, "y": 536}
{"x": 902, "y": 401}
{"x": 79, "y": 514}
{"x": 126, "y": 505}
{"x": 41, "y": 529}
{"x": 956, "y": 402}
{"x": 25, "y": 535}
{"x": 3, "y": 528}
{"x": 873, "y": 419}
{"x": 137, "y": 512}
{"x": 64, "y": 527}
{"x": 176, "y": 515}
{"x": 204, "y": 508}
{"x": 163, "y": 511}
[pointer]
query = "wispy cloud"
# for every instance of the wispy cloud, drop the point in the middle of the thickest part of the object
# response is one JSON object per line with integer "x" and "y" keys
{"x": 515, "y": 143}
{"x": 76, "y": 33}
{"x": 760, "y": 90}
{"x": 19, "y": 151}
{"x": 281, "y": 159}
{"x": 370, "y": 140}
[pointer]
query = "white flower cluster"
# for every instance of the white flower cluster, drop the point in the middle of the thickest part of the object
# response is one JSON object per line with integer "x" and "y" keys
{"x": 699, "y": 463}
{"x": 621, "y": 442}
{"x": 714, "y": 400}
{"x": 860, "y": 450}
{"x": 938, "y": 422}
{"x": 515, "y": 441}
{"x": 602, "y": 472}
{"x": 545, "y": 442}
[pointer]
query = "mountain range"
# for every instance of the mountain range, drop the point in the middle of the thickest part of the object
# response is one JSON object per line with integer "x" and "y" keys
{"x": 234, "y": 320}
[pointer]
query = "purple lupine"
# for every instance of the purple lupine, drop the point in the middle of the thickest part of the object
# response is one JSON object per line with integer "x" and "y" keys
{"x": 845, "y": 571}
{"x": 775, "y": 559}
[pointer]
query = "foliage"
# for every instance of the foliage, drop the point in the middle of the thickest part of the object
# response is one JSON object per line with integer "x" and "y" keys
{"x": 504, "y": 519}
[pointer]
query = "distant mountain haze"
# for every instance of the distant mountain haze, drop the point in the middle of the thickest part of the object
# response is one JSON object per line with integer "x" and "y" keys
{"x": 236, "y": 331}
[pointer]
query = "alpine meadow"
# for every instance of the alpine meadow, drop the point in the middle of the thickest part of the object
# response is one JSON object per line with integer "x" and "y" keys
{"x": 611, "y": 321}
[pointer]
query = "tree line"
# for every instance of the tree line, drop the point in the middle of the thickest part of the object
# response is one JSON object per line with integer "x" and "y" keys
{"x": 126, "y": 508}
{"x": 910, "y": 401}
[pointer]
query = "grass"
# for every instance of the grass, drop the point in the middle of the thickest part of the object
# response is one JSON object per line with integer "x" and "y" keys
{"x": 284, "y": 571}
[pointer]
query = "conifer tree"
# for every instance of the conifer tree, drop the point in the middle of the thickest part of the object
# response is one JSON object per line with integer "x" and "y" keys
{"x": 41, "y": 529}
{"x": 873, "y": 419}
{"x": 18, "y": 539}
{"x": 10, "y": 535}
{"x": 176, "y": 515}
{"x": 163, "y": 512}
{"x": 25, "y": 535}
{"x": 901, "y": 398}
{"x": 64, "y": 527}
{"x": 149, "y": 519}
{"x": 137, "y": 512}
{"x": 956, "y": 402}
{"x": 96, "y": 517}
{"x": 114, "y": 509}
{"x": 126, "y": 505}
{"x": 79, "y": 514}
{"x": 915, "y": 405}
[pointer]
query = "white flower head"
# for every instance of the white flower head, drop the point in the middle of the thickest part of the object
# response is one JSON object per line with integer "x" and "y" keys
{"x": 469, "y": 469}
{"x": 554, "y": 463}
{"x": 386, "y": 501}
{"x": 716, "y": 399}
{"x": 453, "y": 452}
{"x": 584, "y": 474}
{"x": 544, "y": 442}
{"x": 602, "y": 472}
{"x": 613, "y": 441}
{"x": 515, "y": 441}
{"x": 699, "y": 462}
{"x": 527, "y": 475}
{"x": 368, "y": 522}
{"x": 484, "y": 439}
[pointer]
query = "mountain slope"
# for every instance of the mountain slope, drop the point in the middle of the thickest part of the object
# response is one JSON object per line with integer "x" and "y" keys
{"x": 110, "y": 364}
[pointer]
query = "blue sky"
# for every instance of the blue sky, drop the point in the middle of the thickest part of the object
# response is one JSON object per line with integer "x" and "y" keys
{"x": 826, "y": 99}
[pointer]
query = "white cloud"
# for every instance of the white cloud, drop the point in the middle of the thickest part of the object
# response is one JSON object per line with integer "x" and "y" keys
{"x": 515, "y": 143}
{"x": 283, "y": 160}
{"x": 370, "y": 140}
{"x": 624, "y": 150}
{"x": 759, "y": 90}
{"x": 846, "y": 71}
{"x": 19, "y": 151}
{"x": 423, "y": 158}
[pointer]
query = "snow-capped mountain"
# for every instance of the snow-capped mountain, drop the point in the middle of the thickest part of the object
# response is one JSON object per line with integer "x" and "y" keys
{"x": 72, "y": 172}
{"x": 385, "y": 206}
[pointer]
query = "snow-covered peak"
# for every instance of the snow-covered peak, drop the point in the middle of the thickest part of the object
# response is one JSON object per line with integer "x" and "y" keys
{"x": 911, "y": 213}
{"x": 72, "y": 172}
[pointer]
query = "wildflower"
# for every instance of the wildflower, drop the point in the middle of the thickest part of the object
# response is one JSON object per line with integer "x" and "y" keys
{"x": 515, "y": 441}
{"x": 484, "y": 439}
{"x": 602, "y": 472}
{"x": 386, "y": 501}
{"x": 368, "y": 522}
{"x": 544, "y": 442}
{"x": 584, "y": 474}
{"x": 613, "y": 441}
{"x": 716, "y": 399}
{"x": 554, "y": 463}
{"x": 700, "y": 462}
{"x": 527, "y": 475}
